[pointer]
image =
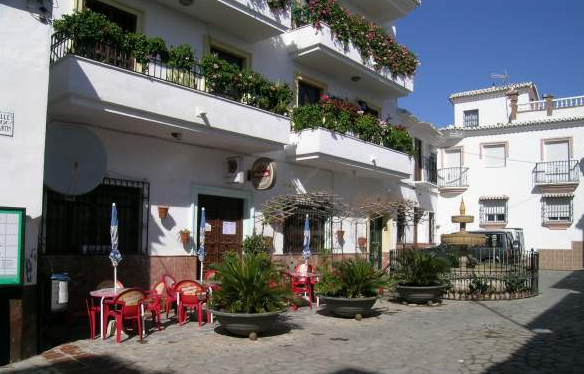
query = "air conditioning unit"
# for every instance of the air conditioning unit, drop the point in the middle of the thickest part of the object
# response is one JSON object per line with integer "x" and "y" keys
{"x": 233, "y": 170}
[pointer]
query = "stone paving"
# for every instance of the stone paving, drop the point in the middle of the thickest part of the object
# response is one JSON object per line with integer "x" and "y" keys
{"x": 544, "y": 334}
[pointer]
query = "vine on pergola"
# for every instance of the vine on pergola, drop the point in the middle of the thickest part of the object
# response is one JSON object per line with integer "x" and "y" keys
{"x": 321, "y": 204}
{"x": 373, "y": 207}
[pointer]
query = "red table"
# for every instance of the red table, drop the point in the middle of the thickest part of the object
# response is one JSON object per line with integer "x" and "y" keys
{"x": 104, "y": 293}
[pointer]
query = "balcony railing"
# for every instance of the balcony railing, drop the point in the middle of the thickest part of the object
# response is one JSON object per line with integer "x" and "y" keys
{"x": 456, "y": 177}
{"x": 561, "y": 103}
{"x": 556, "y": 172}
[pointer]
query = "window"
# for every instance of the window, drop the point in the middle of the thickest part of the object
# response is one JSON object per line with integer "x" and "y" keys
{"x": 294, "y": 231}
{"x": 494, "y": 155}
{"x": 126, "y": 20}
{"x": 471, "y": 118}
{"x": 557, "y": 209}
{"x": 493, "y": 211}
{"x": 432, "y": 168}
{"x": 81, "y": 225}
{"x": 417, "y": 159}
{"x": 367, "y": 109}
{"x": 308, "y": 93}
{"x": 556, "y": 150}
{"x": 453, "y": 158}
{"x": 233, "y": 59}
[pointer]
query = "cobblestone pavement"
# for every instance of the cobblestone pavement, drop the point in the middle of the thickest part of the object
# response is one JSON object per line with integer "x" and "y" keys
{"x": 544, "y": 334}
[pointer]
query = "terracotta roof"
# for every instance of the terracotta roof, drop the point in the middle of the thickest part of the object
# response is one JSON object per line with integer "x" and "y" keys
{"x": 517, "y": 123}
{"x": 489, "y": 90}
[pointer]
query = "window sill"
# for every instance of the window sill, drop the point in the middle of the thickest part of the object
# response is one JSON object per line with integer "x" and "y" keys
{"x": 557, "y": 225}
{"x": 493, "y": 225}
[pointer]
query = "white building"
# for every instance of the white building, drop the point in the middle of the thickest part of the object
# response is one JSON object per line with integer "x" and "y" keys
{"x": 168, "y": 141}
{"x": 516, "y": 159}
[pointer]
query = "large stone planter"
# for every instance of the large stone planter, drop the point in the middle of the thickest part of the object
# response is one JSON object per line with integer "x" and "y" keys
{"x": 345, "y": 307}
{"x": 243, "y": 324}
{"x": 419, "y": 295}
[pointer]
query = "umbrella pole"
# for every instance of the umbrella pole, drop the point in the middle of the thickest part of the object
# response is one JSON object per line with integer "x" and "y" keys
{"x": 201, "y": 275}
{"x": 115, "y": 279}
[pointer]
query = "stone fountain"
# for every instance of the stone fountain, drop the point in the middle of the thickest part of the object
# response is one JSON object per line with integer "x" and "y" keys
{"x": 462, "y": 239}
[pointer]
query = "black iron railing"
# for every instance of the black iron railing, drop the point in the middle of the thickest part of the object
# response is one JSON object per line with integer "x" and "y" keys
{"x": 453, "y": 177}
{"x": 553, "y": 172}
{"x": 486, "y": 273}
{"x": 62, "y": 46}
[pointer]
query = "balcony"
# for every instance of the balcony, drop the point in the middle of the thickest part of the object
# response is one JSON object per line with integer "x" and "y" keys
{"x": 554, "y": 175}
{"x": 561, "y": 108}
{"x": 320, "y": 50}
{"x": 453, "y": 179}
{"x": 326, "y": 149}
{"x": 384, "y": 10}
{"x": 248, "y": 19}
{"x": 156, "y": 103}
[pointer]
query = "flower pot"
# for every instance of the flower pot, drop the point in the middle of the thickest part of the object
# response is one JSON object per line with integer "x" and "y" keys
{"x": 362, "y": 242}
{"x": 162, "y": 212}
{"x": 340, "y": 236}
{"x": 243, "y": 324}
{"x": 345, "y": 307}
{"x": 419, "y": 295}
{"x": 185, "y": 237}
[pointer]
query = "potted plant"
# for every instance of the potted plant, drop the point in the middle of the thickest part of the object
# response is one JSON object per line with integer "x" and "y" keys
{"x": 252, "y": 295}
{"x": 362, "y": 242}
{"x": 185, "y": 236}
{"x": 420, "y": 276}
{"x": 350, "y": 288}
{"x": 255, "y": 244}
{"x": 162, "y": 211}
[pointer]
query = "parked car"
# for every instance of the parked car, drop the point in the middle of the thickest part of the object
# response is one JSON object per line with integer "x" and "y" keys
{"x": 517, "y": 236}
{"x": 500, "y": 246}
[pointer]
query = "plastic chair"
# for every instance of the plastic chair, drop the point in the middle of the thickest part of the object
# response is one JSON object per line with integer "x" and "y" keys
{"x": 303, "y": 268}
{"x": 210, "y": 275}
{"x": 109, "y": 284}
{"x": 301, "y": 285}
{"x": 190, "y": 293}
{"x": 152, "y": 302}
{"x": 169, "y": 283}
{"x": 92, "y": 313}
{"x": 128, "y": 303}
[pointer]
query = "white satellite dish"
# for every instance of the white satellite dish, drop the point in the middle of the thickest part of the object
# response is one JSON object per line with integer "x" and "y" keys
{"x": 75, "y": 160}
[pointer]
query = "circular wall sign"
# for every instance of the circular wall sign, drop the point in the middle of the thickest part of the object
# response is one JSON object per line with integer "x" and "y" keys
{"x": 263, "y": 173}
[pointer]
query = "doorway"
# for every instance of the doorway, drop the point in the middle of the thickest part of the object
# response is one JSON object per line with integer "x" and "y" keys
{"x": 224, "y": 233}
{"x": 375, "y": 241}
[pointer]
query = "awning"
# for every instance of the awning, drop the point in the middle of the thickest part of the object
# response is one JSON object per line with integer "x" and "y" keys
{"x": 494, "y": 197}
{"x": 558, "y": 195}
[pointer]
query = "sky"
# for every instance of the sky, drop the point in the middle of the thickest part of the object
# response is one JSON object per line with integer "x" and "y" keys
{"x": 461, "y": 42}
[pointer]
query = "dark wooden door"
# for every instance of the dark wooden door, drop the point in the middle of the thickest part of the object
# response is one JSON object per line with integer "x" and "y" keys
{"x": 225, "y": 215}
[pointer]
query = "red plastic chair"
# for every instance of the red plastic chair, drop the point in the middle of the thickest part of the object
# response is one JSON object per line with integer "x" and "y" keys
{"x": 128, "y": 305}
{"x": 302, "y": 285}
{"x": 210, "y": 275}
{"x": 152, "y": 303}
{"x": 92, "y": 313}
{"x": 169, "y": 283}
{"x": 190, "y": 293}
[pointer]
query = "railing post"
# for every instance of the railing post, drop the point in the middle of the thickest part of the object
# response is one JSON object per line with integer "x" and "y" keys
{"x": 549, "y": 104}
{"x": 513, "y": 96}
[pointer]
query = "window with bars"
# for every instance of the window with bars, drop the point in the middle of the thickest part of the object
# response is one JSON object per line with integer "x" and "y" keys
{"x": 294, "y": 231}
{"x": 557, "y": 209}
{"x": 493, "y": 211}
{"x": 471, "y": 118}
{"x": 80, "y": 225}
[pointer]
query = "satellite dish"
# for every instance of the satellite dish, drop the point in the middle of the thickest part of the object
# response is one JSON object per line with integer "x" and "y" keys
{"x": 75, "y": 160}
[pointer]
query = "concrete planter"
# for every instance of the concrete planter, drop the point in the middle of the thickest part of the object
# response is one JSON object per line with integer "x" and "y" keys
{"x": 345, "y": 307}
{"x": 243, "y": 324}
{"x": 419, "y": 295}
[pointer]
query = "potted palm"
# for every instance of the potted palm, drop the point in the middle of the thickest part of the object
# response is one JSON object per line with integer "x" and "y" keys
{"x": 420, "y": 276}
{"x": 350, "y": 288}
{"x": 252, "y": 295}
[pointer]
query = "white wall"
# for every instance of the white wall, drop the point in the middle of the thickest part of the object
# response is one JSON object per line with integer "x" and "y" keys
{"x": 24, "y": 53}
{"x": 493, "y": 108}
{"x": 515, "y": 181}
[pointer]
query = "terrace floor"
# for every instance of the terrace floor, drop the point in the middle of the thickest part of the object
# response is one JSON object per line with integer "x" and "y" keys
{"x": 544, "y": 334}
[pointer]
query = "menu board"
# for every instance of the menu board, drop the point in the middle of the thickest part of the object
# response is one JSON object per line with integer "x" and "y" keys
{"x": 11, "y": 245}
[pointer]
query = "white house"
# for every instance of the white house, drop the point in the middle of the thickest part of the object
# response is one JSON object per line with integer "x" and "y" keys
{"x": 516, "y": 160}
{"x": 159, "y": 137}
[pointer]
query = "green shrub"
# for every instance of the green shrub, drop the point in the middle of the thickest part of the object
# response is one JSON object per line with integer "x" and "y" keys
{"x": 90, "y": 27}
{"x": 351, "y": 279}
{"x": 250, "y": 284}
{"x": 181, "y": 57}
{"x": 479, "y": 285}
{"x": 255, "y": 244}
{"x": 515, "y": 283}
{"x": 418, "y": 268}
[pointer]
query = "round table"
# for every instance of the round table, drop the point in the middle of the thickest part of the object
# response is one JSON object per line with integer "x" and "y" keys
{"x": 102, "y": 294}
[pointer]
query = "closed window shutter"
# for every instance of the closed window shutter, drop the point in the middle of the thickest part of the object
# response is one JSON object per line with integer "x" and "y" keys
{"x": 494, "y": 156}
{"x": 557, "y": 151}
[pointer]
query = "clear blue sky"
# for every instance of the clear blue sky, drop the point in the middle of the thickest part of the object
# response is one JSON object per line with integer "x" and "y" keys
{"x": 461, "y": 42}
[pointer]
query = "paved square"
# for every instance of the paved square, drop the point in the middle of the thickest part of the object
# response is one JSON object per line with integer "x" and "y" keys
{"x": 538, "y": 335}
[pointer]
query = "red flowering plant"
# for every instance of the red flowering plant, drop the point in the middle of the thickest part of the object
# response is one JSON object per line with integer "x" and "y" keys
{"x": 279, "y": 4}
{"x": 371, "y": 40}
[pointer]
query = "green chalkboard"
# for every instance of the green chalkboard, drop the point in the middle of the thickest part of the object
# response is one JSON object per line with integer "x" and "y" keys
{"x": 12, "y": 221}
